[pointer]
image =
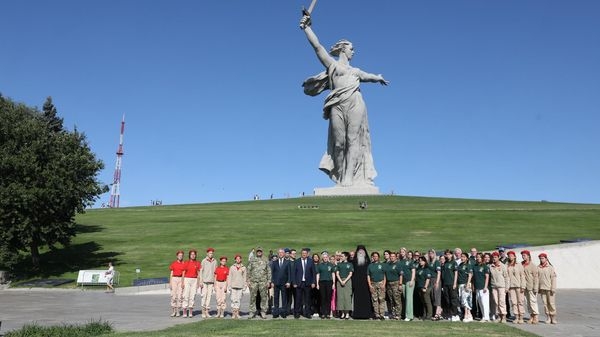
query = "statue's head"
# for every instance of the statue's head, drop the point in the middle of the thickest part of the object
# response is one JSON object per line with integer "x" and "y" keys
{"x": 342, "y": 46}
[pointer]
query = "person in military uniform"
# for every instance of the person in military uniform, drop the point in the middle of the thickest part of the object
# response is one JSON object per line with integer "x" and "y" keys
{"x": 258, "y": 278}
{"x": 376, "y": 281}
{"x": 393, "y": 275}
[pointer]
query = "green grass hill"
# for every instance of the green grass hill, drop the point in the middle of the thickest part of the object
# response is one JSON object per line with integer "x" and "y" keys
{"x": 148, "y": 237}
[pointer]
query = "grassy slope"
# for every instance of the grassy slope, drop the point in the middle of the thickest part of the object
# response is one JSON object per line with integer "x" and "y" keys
{"x": 147, "y": 237}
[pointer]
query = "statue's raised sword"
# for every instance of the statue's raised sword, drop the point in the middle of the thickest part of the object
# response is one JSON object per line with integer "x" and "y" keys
{"x": 309, "y": 11}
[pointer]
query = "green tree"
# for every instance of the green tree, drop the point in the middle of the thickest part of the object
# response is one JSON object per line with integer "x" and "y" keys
{"x": 47, "y": 176}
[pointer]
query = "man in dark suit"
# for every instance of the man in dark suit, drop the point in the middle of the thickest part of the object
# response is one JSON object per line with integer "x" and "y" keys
{"x": 281, "y": 278}
{"x": 303, "y": 279}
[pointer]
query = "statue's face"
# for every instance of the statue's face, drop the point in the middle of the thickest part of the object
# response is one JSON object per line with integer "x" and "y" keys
{"x": 349, "y": 51}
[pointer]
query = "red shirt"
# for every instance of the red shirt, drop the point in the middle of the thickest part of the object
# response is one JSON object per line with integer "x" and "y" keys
{"x": 178, "y": 267}
{"x": 221, "y": 272}
{"x": 193, "y": 267}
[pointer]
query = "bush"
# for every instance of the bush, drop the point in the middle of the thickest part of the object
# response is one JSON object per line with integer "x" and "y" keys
{"x": 93, "y": 328}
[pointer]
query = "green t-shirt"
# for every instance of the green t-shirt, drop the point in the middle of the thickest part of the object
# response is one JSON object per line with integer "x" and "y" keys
{"x": 393, "y": 271}
{"x": 407, "y": 268}
{"x": 448, "y": 270}
{"x": 324, "y": 270}
{"x": 434, "y": 268}
{"x": 344, "y": 268}
{"x": 463, "y": 272}
{"x": 376, "y": 271}
{"x": 479, "y": 272}
{"x": 421, "y": 276}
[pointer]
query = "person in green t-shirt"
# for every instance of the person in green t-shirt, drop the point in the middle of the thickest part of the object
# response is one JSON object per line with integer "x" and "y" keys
{"x": 465, "y": 273}
{"x": 408, "y": 283}
{"x": 449, "y": 286}
{"x": 325, "y": 279}
{"x": 343, "y": 277}
{"x": 423, "y": 281}
{"x": 376, "y": 280}
{"x": 481, "y": 279}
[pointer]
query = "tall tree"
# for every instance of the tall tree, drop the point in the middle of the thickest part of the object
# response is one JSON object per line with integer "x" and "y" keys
{"x": 47, "y": 176}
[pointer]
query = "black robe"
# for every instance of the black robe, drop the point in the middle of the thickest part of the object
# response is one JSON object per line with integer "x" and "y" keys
{"x": 363, "y": 307}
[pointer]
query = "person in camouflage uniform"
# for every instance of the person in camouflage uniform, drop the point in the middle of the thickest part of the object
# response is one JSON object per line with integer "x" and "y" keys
{"x": 258, "y": 278}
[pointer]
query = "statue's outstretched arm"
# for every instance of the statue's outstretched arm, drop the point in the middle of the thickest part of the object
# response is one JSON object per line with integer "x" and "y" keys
{"x": 322, "y": 54}
{"x": 368, "y": 77}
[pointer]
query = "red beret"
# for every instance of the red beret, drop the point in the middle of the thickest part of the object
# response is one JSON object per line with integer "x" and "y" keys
{"x": 236, "y": 256}
{"x": 526, "y": 252}
{"x": 179, "y": 252}
{"x": 210, "y": 249}
{"x": 543, "y": 255}
{"x": 495, "y": 254}
{"x": 223, "y": 258}
{"x": 511, "y": 252}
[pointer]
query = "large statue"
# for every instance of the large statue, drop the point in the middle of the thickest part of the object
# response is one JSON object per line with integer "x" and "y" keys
{"x": 348, "y": 160}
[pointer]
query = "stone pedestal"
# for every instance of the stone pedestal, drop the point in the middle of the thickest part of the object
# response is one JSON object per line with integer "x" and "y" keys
{"x": 352, "y": 190}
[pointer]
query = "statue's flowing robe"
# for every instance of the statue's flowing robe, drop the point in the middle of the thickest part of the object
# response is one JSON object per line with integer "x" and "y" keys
{"x": 345, "y": 101}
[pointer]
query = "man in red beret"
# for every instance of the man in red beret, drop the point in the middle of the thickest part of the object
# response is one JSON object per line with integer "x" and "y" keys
{"x": 531, "y": 286}
{"x": 207, "y": 276}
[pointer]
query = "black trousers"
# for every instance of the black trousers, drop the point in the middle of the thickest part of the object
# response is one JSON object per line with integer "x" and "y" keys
{"x": 450, "y": 299}
{"x": 325, "y": 292}
{"x": 280, "y": 291}
{"x": 302, "y": 300}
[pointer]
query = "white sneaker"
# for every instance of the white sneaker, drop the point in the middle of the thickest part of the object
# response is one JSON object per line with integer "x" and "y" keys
{"x": 407, "y": 319}
{"x": 467, "y": 320}
{"x": 455, "y": 319}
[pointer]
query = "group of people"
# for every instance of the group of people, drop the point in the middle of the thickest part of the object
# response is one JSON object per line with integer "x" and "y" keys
{"x": 402, "y": 285}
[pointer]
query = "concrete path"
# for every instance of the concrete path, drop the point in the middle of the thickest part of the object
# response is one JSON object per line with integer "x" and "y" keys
{"x": 133, "y": 310}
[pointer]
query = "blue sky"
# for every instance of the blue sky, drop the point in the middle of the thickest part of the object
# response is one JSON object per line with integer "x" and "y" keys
{"x": 488, "y": 99}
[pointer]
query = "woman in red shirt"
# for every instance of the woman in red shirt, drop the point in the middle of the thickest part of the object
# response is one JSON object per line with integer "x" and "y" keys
{"x": 176, "y": 283}
{"x": 221, "y": 273}
{"x": 191, "y": 283}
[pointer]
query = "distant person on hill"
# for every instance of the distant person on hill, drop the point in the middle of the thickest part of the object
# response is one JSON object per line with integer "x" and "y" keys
{"x": 207, "y": 283}
{"x": 531, "y": 286}
{"x": 191, "y": 283}
{"x": 176, "y": 284}
{"x": 109, "y": 275}
{"x": 547, "y": 287}
{"x": 236, "y": 282}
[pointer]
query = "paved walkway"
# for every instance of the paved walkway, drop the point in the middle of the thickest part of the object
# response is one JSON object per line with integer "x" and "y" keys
{"x": 130, "y": 310}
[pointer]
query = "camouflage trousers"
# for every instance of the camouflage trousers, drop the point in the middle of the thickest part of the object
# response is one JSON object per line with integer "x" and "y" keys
{"x": 394, "y": 293}
{"x": 255, "y": 289}
{"x": 378, "y": 298}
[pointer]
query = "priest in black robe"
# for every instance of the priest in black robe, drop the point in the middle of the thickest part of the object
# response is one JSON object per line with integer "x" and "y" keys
{"x": 363, "y": 307}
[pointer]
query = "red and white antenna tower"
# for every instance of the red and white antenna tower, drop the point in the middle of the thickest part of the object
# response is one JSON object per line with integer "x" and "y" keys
{"x": 115, "y": 193}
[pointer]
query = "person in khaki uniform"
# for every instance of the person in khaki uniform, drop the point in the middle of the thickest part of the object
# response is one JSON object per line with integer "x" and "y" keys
{"x": 376, "y": 280}
{"x": 530, "y": 271}
{"x": 191, "y": 284}
{"x": 236, "y": 280}
{"x": 207, "y": 277}
{"x": 516, "y": 287}
{"x": 499, "y": 283}
{"x": 547, "y": 287}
